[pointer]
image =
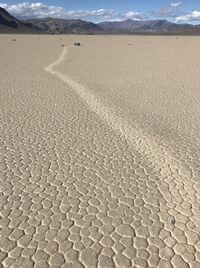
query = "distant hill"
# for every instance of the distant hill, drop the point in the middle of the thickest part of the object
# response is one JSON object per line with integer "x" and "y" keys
{"x": 61, "y": 26}
{"x": 120, "y": 26}
{"x": 9, "y": 24}
{"x": 149, "y": 26}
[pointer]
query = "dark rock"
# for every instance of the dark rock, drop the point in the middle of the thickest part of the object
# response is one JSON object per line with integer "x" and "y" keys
{"x": 171, "y": 220}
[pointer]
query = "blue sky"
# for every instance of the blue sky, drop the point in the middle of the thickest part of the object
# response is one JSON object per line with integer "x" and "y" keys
{"x": 185, "y": 11}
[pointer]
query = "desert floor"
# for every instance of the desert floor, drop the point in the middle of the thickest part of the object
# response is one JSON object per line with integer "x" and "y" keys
{"x": 99, "y": 151}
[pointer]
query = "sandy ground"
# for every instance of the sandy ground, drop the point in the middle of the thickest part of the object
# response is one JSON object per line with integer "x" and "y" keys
{"x": 99, "y": 151}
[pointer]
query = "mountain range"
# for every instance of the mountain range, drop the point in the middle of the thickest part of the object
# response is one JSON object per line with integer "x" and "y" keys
{"x": 149, "y": 26}
{"x": 10, "y": 24}
{"x": 61, "y": 26}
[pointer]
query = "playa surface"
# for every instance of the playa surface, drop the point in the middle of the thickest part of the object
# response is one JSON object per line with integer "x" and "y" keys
{"x": 99, "y": 151}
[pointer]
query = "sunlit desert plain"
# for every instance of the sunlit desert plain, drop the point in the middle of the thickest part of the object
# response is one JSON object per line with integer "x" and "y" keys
{"x": 99, "y": 151}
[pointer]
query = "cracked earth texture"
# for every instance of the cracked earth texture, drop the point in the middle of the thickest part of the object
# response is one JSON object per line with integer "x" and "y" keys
{"x": 99, "y": 152}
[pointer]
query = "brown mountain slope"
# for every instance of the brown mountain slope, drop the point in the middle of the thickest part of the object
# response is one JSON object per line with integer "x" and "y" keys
{"x": 62, "y": 26}
{"x": 9, "y": 24}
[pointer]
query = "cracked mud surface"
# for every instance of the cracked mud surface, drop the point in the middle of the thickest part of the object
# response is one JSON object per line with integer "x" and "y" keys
{"x": 99, "y": 152}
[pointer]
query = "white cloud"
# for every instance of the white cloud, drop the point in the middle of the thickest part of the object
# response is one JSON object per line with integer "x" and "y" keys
{"x": 133, "y": 15}
{"x": 177, "y": 4}
{"x": 163, "y": 13}
{"x": 39, "y": 10}
{"x": 26, "y": 9}
{"x": 193, "y": 16}
{"x": 167, "y": 12}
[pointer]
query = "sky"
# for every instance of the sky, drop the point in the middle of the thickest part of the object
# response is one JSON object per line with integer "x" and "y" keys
{"x": 185, "y": 11}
